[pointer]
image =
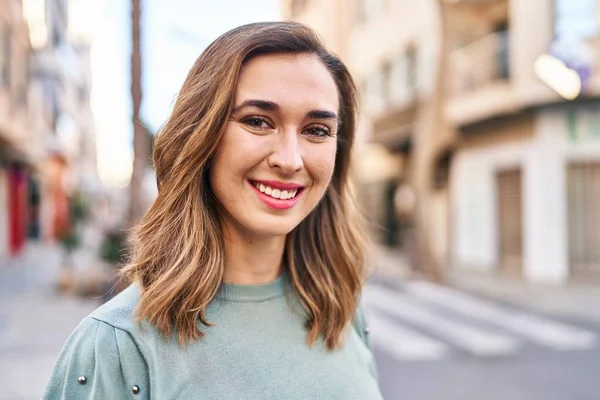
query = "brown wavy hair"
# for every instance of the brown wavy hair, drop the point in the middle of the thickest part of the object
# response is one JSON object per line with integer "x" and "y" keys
{"x": 178, "y": 255}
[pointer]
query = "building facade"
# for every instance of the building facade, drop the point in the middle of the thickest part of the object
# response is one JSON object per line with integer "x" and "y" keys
{"x": 47, "y": 146}
{"x": 506, "y": 168}
{"x": 61, "y": 79}
{"x": 525, "y": 198}
{"x": 18, "y": 144}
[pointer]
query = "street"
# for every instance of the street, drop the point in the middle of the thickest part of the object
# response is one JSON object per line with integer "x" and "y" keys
{"x": 431, "y": 342}
{"x": 35, "y": 321}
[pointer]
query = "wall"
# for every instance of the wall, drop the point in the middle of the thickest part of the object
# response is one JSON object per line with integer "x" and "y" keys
{"x": 474, "y": 230}
{"x": 559, "y": 135}
{"x": 563, "y": 135}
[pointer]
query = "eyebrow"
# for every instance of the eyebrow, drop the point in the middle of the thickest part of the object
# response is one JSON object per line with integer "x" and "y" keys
{"x": 262, "y": 104}
{"x": 272, "y": 106}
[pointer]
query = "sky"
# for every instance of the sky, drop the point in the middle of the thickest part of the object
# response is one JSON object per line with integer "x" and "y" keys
{"x": 174, "y": 33}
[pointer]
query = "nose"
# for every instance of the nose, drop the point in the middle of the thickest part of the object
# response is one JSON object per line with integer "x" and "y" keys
{"x": 286, "y": 153}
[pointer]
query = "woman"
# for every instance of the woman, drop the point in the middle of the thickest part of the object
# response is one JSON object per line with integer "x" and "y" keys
{"x": 248, "y": 267}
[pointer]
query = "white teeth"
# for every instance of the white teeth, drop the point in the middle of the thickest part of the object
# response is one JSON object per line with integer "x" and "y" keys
{"x": 276, "y": 193}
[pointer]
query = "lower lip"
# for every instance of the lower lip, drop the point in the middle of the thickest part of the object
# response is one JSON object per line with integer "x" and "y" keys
{"x": 277, "y": 204}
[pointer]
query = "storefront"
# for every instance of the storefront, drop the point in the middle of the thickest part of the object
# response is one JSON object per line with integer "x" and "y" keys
{"x": 526, "y": 196}
{"x": 14, "y": 200}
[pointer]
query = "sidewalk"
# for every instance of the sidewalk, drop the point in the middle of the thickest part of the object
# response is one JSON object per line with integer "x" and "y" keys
{"x": 569, "y": 300}
{"x": 572, "y": 300}
{"x": 35, "y": 321}
{"x": 391, "y": 264}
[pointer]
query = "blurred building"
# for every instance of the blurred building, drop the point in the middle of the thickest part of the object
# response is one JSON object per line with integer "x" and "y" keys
{"x": 483, "y": 119}
{"x": 47, "y": 145}
{"x": 19, "y": 146}
{"x": 62, "y": 76}
{"x": 526, "y": 174}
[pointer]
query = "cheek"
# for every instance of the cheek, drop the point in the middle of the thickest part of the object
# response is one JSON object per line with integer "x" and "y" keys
{"x": 237, "y": 153}
{"x": 321, "y": 163}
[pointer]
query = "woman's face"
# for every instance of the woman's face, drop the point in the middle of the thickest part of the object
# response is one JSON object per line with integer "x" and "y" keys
{"x": 277, "y": 155}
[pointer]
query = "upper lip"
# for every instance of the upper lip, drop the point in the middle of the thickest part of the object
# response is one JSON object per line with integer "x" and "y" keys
{"x": 279, "y": 185}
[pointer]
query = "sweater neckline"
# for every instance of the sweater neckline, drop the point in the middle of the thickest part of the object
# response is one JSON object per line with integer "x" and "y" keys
{"x": 254, "y": 293}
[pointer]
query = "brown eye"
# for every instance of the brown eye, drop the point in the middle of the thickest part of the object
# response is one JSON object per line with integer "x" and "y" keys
{"x": 317, "y": 132}
{"x": 257, "y": 123}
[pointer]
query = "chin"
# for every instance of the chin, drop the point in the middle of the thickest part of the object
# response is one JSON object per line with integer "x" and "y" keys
{"x": 273, "y": 228}
{"x": 273, "y": 231}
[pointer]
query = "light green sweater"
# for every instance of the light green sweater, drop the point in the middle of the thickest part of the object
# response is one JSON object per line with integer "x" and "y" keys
{"x": 256, "y": 350}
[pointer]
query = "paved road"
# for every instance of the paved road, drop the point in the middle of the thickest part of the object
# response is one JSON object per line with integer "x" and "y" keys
{"x": 434, "y": 342}
{"x": 34, "y": 322}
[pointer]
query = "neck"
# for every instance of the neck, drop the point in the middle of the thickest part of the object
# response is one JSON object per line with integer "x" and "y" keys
{"x": 252, "y": 261}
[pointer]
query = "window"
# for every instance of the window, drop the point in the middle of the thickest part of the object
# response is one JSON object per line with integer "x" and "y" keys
{"x": 2, "y": 56}
{"x": 82, "y": 93}
{"x": 375, "y": 93}
{"x": 298, "y": 6}
{"x": 386, "y": 84}
{"x": 575, "y": 18}
{"x": 21, "y": 96}
{"x": 411, "y": 68}
{"x": 403, "y": 81}
{"x": 6, "y": 56}
{"x": 367, "y": 9}
{"x": 364, "y": 91}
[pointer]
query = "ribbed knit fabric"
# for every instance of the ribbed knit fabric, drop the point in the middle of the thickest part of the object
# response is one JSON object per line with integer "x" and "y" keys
{"x": 250, "y": 293}
{"x": 255, "y": 350}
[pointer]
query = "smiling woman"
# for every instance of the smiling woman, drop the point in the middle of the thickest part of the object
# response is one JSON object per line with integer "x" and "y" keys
{"x": 248, "y": 267}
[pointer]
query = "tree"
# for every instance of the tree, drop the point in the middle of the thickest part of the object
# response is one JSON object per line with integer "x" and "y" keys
{"x": 141, "y": 145}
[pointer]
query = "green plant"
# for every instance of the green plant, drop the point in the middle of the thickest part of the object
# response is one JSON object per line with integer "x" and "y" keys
{"x": 78, "y": 208}
{"x": 70, "y": 236}
{"x": 70, "y": 239}
{"x": 114, "y": 247}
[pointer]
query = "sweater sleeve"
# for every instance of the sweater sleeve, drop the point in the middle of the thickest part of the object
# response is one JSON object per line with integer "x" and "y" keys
{"x": 99, "y": 361}
{"x": 362, "y": 327}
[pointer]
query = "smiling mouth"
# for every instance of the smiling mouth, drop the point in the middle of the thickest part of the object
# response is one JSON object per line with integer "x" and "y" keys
{"x": 288, "y": 193}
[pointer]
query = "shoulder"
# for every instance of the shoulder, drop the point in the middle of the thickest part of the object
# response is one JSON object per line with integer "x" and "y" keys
{"x": 119, "y": 311}
{"x": 101, "y": 359}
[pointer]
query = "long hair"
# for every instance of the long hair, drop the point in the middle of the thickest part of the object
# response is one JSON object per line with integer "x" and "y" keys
{"x": 178, "y": 255}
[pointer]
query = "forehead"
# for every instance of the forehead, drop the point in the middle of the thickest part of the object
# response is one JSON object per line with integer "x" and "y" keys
{"x": 290, "y": 80}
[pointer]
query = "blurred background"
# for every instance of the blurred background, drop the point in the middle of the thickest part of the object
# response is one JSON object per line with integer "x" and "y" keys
{"x": 477, "y": 164}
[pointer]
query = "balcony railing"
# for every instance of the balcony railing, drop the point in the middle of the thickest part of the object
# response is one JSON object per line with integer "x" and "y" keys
{"x": 480, "y": 63}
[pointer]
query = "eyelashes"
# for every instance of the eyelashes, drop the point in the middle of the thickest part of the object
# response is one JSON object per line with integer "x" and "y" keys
{"x": 318, "y": 131}
{"x": 258, "y": 123}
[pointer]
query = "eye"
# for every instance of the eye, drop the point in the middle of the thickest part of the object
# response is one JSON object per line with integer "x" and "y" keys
{"x": 257, "y": 123}
{"x": 318, "y": 132}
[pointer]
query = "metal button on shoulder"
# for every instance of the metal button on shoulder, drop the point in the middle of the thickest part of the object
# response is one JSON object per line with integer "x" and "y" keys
{"x": 135, "y": 389}
{"x": 368, "y": 329}
{"x": 82, "y": 380}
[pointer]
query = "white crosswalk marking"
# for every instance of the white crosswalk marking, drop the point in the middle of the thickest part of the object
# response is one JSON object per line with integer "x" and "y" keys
{"x": 401, "y": 342}
{"x": 468, "y": 338}
{"x": 541, "y": 330}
